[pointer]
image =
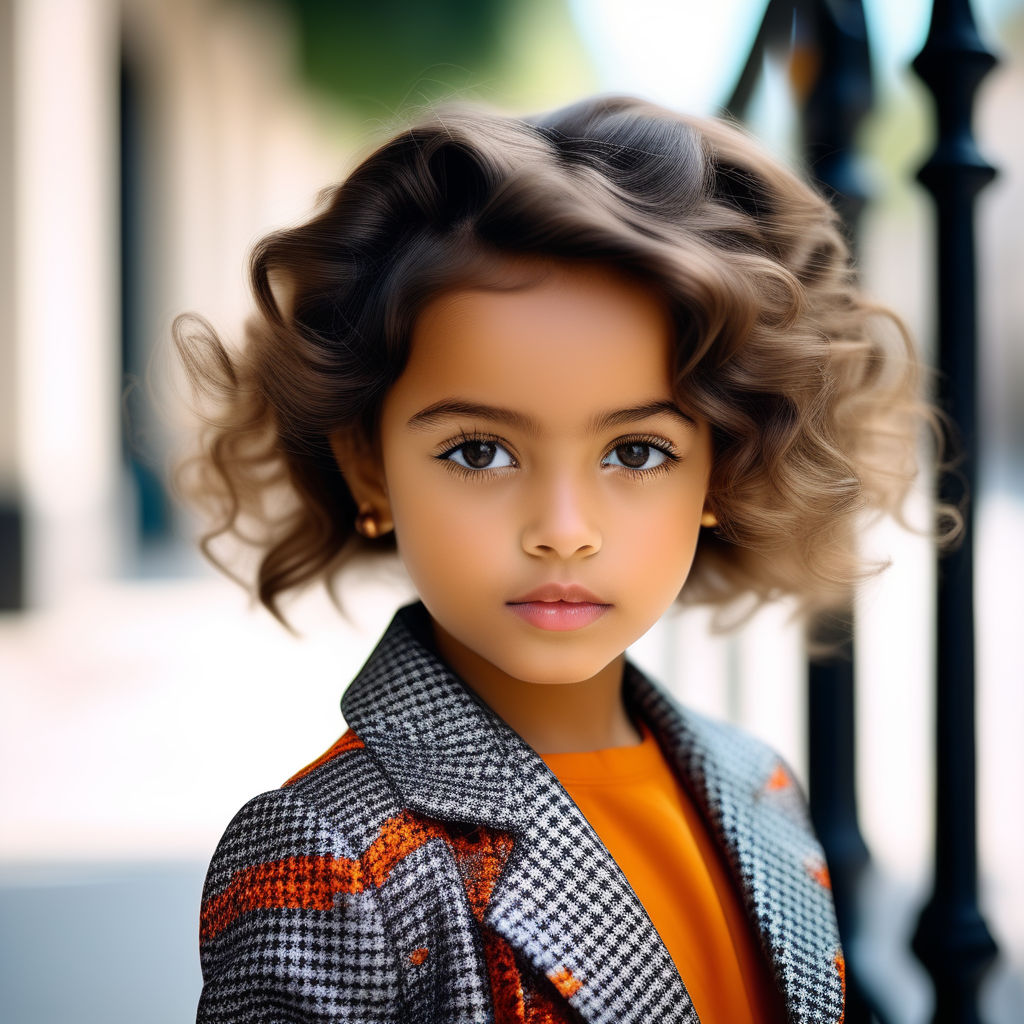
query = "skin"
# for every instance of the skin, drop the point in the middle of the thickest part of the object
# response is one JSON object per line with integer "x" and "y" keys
{"x": 560, "y": 499}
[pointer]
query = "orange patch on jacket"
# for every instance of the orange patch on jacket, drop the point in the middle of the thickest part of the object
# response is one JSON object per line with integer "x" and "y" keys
{"x": 312, "y": 882}
{"x": 542, "y": 1008}
{"x": 480, "y": 855}
{"x": 779, "y": 779}
{"x": 347, "y": 741}
{"x": 564, "y": 981}
{"x": 506, "y": 980}
{"x": 818, "y": 870}
{"x": 522, "y": 997}
{"x": 841, "y": 968}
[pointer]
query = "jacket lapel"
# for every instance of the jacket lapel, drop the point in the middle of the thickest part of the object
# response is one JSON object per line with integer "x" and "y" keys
{"x": 759, "y": 819}
{"x": 562, "y": 902}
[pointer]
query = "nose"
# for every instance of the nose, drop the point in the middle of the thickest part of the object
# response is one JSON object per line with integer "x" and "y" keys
{"x": 562, "y": 519}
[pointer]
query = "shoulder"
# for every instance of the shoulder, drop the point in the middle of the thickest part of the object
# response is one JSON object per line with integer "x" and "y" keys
{"x": 756, "y": 766}
{"x": 692, "y": 732}
{"x": 287, "y": 896}
{"x": 733, "y": 745}
{"x": 721, "y": 761}
{"x": 324, "y": 808}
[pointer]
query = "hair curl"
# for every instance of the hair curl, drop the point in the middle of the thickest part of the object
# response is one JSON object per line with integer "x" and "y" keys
{"x": 810, "y": 390}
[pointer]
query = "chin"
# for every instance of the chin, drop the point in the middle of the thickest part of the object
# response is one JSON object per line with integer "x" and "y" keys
{"x": 554, "y": 671}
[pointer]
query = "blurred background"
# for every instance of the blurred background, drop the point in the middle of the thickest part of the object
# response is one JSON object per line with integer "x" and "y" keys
{"x": 144, "y": 146}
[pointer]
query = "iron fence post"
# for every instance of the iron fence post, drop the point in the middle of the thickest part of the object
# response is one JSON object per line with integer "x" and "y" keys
{"x": 832, "y": 111}
{"x": 952, "y": 939}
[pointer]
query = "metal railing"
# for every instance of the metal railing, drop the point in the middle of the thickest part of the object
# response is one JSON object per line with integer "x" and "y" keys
{"x": 952, "y": 939}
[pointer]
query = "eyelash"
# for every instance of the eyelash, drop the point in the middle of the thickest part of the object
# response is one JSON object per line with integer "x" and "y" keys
{"x": 659, "y": 444}
{"x": 452, "y": 446}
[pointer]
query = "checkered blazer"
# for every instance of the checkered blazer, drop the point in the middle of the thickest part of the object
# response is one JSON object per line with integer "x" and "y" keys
{"x": 429, "y": 868}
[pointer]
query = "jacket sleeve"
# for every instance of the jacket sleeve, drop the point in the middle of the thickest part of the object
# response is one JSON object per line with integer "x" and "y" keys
{"x": 288, "y": 935}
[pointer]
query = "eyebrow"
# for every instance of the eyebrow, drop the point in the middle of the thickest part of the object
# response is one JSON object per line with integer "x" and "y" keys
{"x": 450, "y": 408}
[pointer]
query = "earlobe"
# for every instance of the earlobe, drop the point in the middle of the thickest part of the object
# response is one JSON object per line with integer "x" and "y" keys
{"x": 371, "y": 524}
{"x": 708, "y": 518}
{"x": 361, "y": 467}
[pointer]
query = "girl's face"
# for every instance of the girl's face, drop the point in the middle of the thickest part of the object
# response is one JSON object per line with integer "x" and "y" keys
{"x": 546, "y": 491}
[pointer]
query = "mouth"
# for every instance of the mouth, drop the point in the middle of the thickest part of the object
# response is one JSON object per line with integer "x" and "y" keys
{"x": 564, "y": 593}
{"x": 559, "y": 607}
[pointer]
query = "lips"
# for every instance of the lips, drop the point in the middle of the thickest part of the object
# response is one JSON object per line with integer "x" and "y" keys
{"x": 559, "y": 607}
{"x": 570, "y": 593}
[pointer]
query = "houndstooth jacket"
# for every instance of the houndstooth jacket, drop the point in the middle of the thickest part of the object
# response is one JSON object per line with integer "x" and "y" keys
{"x": 429, "y": 869}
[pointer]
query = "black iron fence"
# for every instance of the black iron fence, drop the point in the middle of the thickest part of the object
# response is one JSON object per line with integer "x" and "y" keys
{"x": 828, "y": 40}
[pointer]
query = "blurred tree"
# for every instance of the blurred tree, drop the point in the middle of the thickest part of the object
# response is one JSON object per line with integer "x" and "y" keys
{"x": 390, "y": 53}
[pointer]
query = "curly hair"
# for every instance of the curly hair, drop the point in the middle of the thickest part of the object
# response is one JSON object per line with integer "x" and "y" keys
{"x": 810, "y": 390}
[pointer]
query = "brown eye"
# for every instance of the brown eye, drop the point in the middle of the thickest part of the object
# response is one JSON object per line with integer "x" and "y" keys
{"x": 633, "y": 455}
{"x": 638, "y": 455}
{"x": 478, "y": 455}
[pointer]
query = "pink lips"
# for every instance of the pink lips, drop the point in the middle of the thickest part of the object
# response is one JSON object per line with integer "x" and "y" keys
{"x": 559, "y": 607}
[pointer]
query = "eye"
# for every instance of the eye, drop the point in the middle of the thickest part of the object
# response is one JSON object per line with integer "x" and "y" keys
{"x": 478, "y": 454}
{"x": 638, "y": 456}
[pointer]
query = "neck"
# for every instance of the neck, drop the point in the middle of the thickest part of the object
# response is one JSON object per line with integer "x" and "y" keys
{"x": 553, "y": 718}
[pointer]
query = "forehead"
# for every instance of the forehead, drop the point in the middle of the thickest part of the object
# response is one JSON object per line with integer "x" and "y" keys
{"x": 561, "y": 342}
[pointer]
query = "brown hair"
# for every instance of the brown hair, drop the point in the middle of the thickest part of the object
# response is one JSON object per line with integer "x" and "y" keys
{"x": 810, "y": 390}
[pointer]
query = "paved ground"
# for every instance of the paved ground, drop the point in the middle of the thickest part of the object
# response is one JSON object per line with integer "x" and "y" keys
{"x": 100, "y": 944}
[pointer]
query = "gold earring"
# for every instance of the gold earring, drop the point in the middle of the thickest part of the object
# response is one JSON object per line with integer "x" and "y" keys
{"x": 368, "y": 523}
{"x": 708, "y": 518}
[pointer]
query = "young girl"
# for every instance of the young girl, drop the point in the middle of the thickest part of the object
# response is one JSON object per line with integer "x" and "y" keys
{"x": 573, "y": 368}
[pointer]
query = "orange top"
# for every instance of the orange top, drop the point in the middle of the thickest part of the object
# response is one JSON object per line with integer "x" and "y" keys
{"x": 656, "y": 835}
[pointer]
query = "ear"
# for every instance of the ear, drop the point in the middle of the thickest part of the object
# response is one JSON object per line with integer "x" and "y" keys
{"x": 363, "y": 470}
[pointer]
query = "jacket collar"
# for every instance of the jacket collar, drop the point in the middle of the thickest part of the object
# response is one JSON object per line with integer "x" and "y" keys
{"x": 449, "y": 755}
{"x": 562, "y": 902}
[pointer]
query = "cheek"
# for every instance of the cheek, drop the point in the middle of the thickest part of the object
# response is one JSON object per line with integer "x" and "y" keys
{"x": 666, "y": 546}
{"x": 443, "y": 534}
{"x": 662, "y": 540}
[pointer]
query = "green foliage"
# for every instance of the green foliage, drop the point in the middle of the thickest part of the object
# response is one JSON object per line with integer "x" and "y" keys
{"x": 381, "y": 55}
